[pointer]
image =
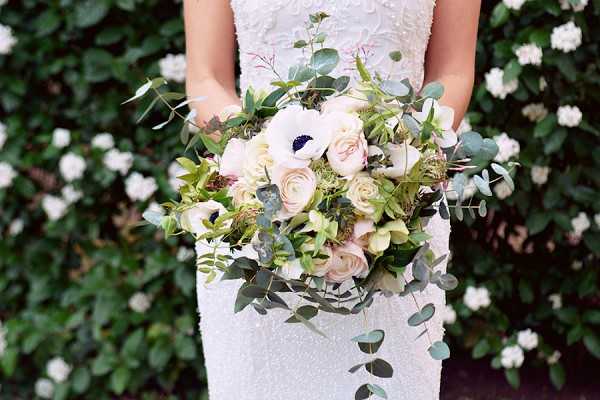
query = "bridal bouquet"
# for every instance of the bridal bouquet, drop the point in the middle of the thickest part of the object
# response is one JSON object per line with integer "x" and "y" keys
{"x": 319, "y": 190}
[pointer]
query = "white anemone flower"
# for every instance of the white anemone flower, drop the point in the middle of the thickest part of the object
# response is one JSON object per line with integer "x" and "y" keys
{"x": 192, "y": 218}
{"x": 443, "y": 118}
{"x": 296, "y": 136}
{"x": 403, "y": 157}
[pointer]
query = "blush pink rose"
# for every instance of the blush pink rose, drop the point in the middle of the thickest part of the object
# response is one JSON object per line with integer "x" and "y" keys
{"x": 348, "y": 260}
{"x": 363, "y": 228}
{"x": 296, "y": 187}
{"x": 348, "y": 151}
{"x": 232, "y": 161}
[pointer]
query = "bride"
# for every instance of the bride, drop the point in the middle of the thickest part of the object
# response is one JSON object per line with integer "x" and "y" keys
{"x": 254, "y": 357}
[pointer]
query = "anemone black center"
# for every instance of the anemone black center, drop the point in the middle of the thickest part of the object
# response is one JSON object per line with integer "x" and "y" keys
{"x": 213, "y": 217}
{"x": 300, "y": 141}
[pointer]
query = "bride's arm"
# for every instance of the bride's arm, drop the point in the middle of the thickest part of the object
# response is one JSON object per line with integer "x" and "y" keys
{"x": 210, "y": 46}
{"x": 450, "y": 56}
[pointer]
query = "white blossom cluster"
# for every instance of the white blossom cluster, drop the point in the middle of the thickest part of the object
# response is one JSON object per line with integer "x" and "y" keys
{"x": 527, "y": 339}
{"x": 507, "y": 148}
{"x": 502, "y": 190}
{"x": 554, "y": 357}
{"x": 139, "y": 187}
{"x": 55, "y": 207}
{"x": 514, "y": 4}
{"x": 103, "y": 141}
{"x": 3, "y": 343}
{"x": 569, "y": 116}
{"x": 16, "y": 227}
{"x": 61, "y": 138}
{"x": 580, "y": 223}
{"x": 172, "y": 67}
{"x": 7, "y": 39}
{"x": 513, "y": 356}
{"x": 529, "y": 54}
{"x": 44, "y": 388}
{"x": 539, "y": 174}
{"x": 535, "y": 112}
{"x": 139, "y": 302}
{"x": 118, "y": 161}
{"x": 58, "y": 371}
{"x": 3, "y": 135}
{"x": 477, "y": 297}
{"x": 597, "y": 220}
{"x": 494, "y": 82}
{"x": 566, "y": 37}
{"x": 7, "y": 174}
{"x": 556, "y": 300}
{"x": 449, "y": 315}
{"x": 71, "y": 166}
{"x": 184, "y": 254}
{"x": 566, "y": 5}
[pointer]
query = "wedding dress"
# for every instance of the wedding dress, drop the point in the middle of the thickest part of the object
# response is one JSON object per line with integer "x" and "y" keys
{"x": 254, "y": 357}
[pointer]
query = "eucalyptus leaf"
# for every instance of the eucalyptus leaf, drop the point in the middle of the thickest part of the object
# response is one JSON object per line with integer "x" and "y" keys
{"x": 324, "y": 60}
{"x": 439, "y": 351}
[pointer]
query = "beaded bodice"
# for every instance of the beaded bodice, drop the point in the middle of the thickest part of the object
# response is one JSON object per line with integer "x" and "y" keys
{"x": 370, "y": 28}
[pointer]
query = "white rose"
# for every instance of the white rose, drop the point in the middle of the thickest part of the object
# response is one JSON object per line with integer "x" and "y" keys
{"x": 192, "y": 218}
{"x": 71, "y": 166}
{"x": 403, "y": 157}
{"x": 7, "y": 174}
{"x": 362, "y": 189}
{"x": 296, "y": 136}
{"x": 242, "y": 193}
{"x": 348, "y": 260}
{"x": 139, "y": 302}
{"x": 103, "y": 141}
{"x": 348, "y": 150}
{"x": 44, "y": 388}
{"x": 58, "y": 370}
{"x": 61, "y": 137}
{"x": 257, "y": 159}
{"x": 354, "y": 101}
{"x": 512, "y": 357}
{"x": 296, "y": 187}
{"x": 232, "y": 161}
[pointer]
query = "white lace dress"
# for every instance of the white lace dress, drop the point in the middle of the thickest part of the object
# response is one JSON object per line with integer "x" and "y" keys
{"x": 254, "y": 357}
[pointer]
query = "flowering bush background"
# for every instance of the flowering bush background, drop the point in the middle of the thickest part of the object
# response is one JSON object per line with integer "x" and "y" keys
{"x": 93, "y": 302}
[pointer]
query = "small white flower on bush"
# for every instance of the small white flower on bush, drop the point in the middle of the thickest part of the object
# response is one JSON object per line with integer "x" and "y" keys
{"x": 71, "y": 166}
{"x": 576, "y": 265}
{"x": 507, "y": 148}
{"x": 70, "y": 194}
{"x": 7, "y": 39}
{"x": 44, "y": 388}
{"x": 172, "y": 67}
{"x": 528, "y": 339}
{"x": 174, "y": 171}
{"x": 58, "y": 370}
{"x": 3, "y": 2}
{"x": 543, "y": 84}
{"x": 494, "y": 82}
{"x": 539, "y": 174}
{"x": 580, "y": 223}
{"x": 514, "y": 4}
{"x": 3, "y": 343}
{"x": 554, "y": 357}
{"x": 566, "y": 37}
{"x": 569, "y": 116}
{"x": 449, "y": 315}
{"x": 566, "y": 5}
{"x": 140, "y": 188}
{"x": 556, "y": 300}
{"x": 104, "y": 141}
{"x": 139, "y": 302}
{"x": 502, "y": 190}
{"x": 529, "y": 54}
{"x": 535, "y": 112}
{"x": 55, "y": 207}
{"x": 7, "y": 174}
{"x": 61, "y": 138}
{"x": 597, "y": 219}
{"x": 3, "y": 135}
{"x": 16, "y": 227}
{"x": 476, "y": 298}
{"x": 512, "y": 357}
{"x": 184, "y": 254}
{"x": 118, "y": 161}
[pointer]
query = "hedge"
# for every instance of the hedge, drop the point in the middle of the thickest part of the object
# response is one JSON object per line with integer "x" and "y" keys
{"x": 94, "y": 304}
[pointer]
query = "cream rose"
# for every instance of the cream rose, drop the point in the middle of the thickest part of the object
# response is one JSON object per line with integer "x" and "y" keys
{"x": 361, "y": 190}
{"x": 256, "y": 160}
{"x": 354, "y": 101}
{"x": 232, "y": 161}
{"x": 348, "y": 151}
{"x": 192, "y": 218}
{"x": 348, "y": 260}
{"x": 363, "y": 228}
{"x": 242, "y": 193}
{"x": 296, "y": 187}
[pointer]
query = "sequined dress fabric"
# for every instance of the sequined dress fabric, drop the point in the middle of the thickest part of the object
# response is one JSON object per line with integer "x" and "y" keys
{"x": 254, "y": 357}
